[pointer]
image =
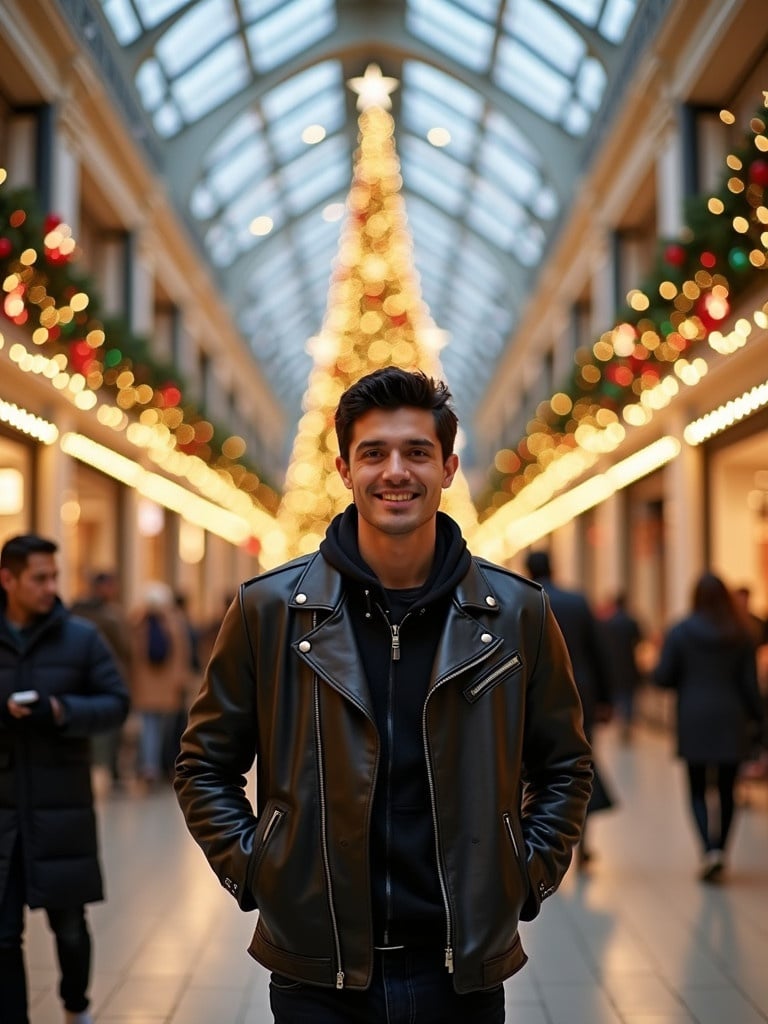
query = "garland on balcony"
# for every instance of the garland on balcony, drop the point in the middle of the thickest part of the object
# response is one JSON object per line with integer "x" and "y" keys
{"x": 90, "y": 353}
{"x": 655, "y": 344}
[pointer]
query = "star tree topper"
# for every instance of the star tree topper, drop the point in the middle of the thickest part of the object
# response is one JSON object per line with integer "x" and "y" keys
{"x": 373, "y": 89}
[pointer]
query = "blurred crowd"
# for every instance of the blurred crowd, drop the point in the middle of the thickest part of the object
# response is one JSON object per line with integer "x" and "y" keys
{"x": 161, "y": 653}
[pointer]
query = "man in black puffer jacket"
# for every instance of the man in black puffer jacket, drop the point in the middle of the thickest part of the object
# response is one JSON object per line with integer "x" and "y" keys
{"x": 59, "y": 684}
{"x": 421, "y": 770}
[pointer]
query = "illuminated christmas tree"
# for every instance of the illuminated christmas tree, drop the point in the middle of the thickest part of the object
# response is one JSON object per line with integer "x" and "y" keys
{"x": 375, "y": 317}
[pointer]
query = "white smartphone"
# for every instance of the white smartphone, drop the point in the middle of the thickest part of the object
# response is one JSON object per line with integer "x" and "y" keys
{"x": 25, "y": 697}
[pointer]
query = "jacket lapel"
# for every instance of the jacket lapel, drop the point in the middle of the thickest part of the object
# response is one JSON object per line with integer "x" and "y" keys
{"x": 329, "y": 648}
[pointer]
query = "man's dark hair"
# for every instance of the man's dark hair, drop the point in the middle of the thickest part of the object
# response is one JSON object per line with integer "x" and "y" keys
{"x": 538, "y": 565}
{"x": 16, "y": 551}
{"x": 393, "y": 388}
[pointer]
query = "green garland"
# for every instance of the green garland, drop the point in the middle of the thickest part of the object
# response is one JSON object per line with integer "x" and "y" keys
{"x": 48, "y": 281}
{"x": 711, "y": 253}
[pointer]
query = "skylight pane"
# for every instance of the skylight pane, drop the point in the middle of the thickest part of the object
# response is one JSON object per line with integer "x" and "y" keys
{"x": 545, "y": 33}
{"x": 202, "y": 203}
{"x": 506, "y": 132}
{"x": 443, "y": 87}
{"x": 315, "y": 188}
{"x": 300, "y": 88}
{"x": 152, "y": 12}
{"x": 590, "y": 83}
{"x": 524, "y": 76}
{"x": 417, "y": 152}
{"x": 421, "y": 113}
{"x": 167, "y": 120}
{"x": 511, "y": 174}
{"x": 616, "y": 19}
{"x": 230, "y": 176}
{"x": 197, "y": 33}
{"x": 585, "y": 10}
{"x": 246, "y": 126}
{"x": 216, "y": 78}
{"x": 451, "y": 30}
{"x": 123, "y": 21}
{"x": 292, "y": 27}
{"x": 151, "y": 83}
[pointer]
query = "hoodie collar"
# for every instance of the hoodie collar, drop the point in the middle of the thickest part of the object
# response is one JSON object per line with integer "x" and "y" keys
{"x": 450, "y": 564}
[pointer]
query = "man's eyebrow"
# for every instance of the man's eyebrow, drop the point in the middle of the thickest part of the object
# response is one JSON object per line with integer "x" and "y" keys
{"x": 411, "y": 442}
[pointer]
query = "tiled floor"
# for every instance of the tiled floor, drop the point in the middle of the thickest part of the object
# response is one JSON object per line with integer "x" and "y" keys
{"x": 637, "y": 940}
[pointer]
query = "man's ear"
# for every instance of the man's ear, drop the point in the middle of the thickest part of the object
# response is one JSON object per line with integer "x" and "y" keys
{"x": 449, "y": 470}
{"x": 343, "y": 470}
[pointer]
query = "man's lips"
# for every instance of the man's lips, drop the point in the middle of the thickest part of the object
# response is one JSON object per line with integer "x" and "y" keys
{"x": 396, "y": 496}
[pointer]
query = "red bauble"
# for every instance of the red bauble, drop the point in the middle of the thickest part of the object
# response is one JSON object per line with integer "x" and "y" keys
{"x": 758, "y": 173}
{"x": 6, "y": 248}
{"x": 675, "y": 255}
{"x": 51, "y": 221}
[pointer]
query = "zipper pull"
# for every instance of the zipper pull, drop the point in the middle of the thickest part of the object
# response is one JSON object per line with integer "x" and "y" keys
{"x": 340, "y": 979}
{"x": 449, "y": 959}
{"x": 395, "y": 643}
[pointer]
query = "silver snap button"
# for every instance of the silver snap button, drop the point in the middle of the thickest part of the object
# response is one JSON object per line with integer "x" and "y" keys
{"x": 301, "y": 598}
{"x": 305, "y": 646}
{"x": 490, "y": 601}
{"x": 485, "y": 638}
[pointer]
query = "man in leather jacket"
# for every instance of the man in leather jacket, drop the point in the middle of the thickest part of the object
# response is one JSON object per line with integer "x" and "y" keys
{"x": 421, "y": 768}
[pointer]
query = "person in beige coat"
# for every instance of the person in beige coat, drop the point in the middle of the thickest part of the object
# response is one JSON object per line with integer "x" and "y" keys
{"x": 160, "y": 673}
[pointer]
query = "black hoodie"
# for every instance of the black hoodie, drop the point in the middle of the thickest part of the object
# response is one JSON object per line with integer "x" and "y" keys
{"x": 407, "y": 904}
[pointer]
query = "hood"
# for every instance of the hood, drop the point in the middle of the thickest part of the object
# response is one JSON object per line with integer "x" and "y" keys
{"x": 451, "y": 563}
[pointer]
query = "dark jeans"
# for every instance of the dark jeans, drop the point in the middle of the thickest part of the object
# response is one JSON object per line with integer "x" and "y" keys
{"x": 408, "y": 987}
{"x": 73, "y": 948}
{"x": 720, "y": 779}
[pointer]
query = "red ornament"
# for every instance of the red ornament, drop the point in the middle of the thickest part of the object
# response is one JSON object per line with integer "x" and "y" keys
{"x": 253, "y": 546}
{"x": 758, "y": 173}
{"x": 675, "y": 255}
{"x": 51, "y": 221}
{"x": 81, "y": 356}
{"x": 712, "y": 310}
{"x": 6, "y": 248}
{"x": 170, "y": 395}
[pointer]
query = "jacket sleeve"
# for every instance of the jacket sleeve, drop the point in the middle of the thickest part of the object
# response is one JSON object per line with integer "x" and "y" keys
{"x": 218, "y": 749}
{"x": 101, "y": 701}
{"x": 556, "y": 763}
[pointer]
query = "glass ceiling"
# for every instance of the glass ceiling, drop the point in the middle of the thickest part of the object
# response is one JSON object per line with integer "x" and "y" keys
{"x": 496, "y": 102}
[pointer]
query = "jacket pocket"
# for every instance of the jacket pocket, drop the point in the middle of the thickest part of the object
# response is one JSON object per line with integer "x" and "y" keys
{"x": 270, "y": 822}
{"x": 510, "y": 665}
{"x": 518, "y": 850}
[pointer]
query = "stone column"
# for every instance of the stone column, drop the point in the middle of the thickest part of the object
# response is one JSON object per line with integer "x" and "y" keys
{"x": 684, "y": 517}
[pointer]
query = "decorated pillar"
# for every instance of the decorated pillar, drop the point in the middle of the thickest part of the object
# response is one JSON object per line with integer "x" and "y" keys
{"x": 684, "y": 515}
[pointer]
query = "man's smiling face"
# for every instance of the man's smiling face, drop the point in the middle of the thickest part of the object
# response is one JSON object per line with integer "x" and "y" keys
{"x": 396, "y": 470}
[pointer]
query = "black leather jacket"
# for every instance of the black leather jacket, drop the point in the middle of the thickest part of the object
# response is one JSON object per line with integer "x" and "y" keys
{"x": 508, "y": 764}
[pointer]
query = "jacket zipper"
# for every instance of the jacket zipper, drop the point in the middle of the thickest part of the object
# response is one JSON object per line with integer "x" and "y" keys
{"x": 483, "y": 684}
{"x": 274, "y": 820}
{"x": 433, "y": 799}
{"x": 508, "y": 823}
{"x": 395, "y": 631}
{"x": 324, "y": 835}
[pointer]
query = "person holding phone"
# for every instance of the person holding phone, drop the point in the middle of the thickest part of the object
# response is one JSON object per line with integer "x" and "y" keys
{"x": 59, "y": 685}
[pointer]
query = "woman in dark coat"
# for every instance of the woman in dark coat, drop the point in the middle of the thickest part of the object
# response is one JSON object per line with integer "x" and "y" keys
{"x": 709, "y": 660}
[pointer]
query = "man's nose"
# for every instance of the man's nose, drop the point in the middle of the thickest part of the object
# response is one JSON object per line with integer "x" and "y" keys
{"x": 395, "y": 468}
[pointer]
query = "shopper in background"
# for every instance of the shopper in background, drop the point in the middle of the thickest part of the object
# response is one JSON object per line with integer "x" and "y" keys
{"x": 59, "y": 685}
{"x": 622, "y": 636}
{"x": 102, "y": 607}
{"x": 422, "y": 773}
{"x": 590, "y": 669}
{"x": 160, "y": 675}
{"x": 758, "y": 628}
{"x": 708, "y": 659}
